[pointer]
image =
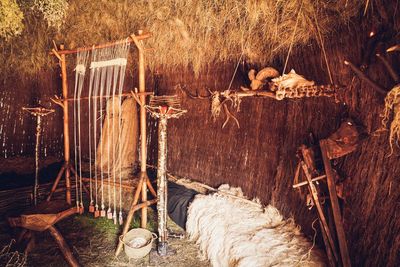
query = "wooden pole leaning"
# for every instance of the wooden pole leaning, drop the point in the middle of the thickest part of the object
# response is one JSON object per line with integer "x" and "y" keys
{"x": 66, "y": 126}
{"x": 143, "y": 143}
{"x": 65, "y": 169}
{"x": 344, "y": 253}
{"x": 144, "y": 182}
{"x": 326, "y": 234}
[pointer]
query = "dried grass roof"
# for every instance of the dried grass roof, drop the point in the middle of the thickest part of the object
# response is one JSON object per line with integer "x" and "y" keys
{"x": 188, "y": 33}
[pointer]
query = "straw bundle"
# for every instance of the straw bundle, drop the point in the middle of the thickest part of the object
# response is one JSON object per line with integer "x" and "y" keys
{"x": 188, "y": 33}
{"x": 109, "y": 156}
{"x": 392, "y": 111}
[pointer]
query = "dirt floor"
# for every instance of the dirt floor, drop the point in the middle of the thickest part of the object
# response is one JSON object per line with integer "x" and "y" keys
{"x": 93, "y": 242}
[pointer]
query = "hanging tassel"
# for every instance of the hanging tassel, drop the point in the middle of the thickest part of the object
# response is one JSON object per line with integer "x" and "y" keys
{"x": 91, "y": 207}
{"x": 81, "y": 208}
{"x": 96, "y": 212}
{"x": 120, "y": 218}
{"x": 103, "y": 211}
{"x": 109, "y": 214}
{"x": 115, "y": 217}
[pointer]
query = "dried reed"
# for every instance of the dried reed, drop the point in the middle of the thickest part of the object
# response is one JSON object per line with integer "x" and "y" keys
{"x": 188, "y": 33}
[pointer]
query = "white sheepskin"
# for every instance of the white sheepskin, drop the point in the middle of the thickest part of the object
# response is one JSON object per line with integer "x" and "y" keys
{"x": 233, "y": 232}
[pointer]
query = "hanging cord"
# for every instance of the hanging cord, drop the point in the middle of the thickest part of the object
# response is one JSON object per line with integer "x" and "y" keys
{"x": 102, "y": 78}
{"x": 75, "y": 142}
{"x": 236, "y": 68}
{"x": 115, "y": 71}
{"x": 90, "y": 138}
{"x": 292, "y": 41}
{"x": 308, "y": 254}
{"x": 108, "y": 129}
{"x": 114, "y": 85}
{"x": 323, "y": 48}
{"x": 81, "y": 75}
{"x": 121, "y": 83}
{"x": 94, "y": 75}
{"x": 81, "y": 60}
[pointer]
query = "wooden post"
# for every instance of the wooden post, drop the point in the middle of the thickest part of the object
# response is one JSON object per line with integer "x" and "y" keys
{"x": 66, "y": 126}
{"x": 162, "y": 189}
{"x": 335, "y": 205}
{"x": 143, "y": 137}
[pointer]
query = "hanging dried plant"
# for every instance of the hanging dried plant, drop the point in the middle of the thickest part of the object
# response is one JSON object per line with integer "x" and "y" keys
{"x": 392, "y": 111}
{"x": 11, "y": 18}
{"x": 54, "y": 11}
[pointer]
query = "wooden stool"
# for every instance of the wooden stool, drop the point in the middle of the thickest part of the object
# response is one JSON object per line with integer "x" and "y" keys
{"x": 42, "y": 218}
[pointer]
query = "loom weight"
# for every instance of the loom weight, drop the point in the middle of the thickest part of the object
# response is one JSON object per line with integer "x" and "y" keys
{"x": 81, "y": 209}
{"x": 96, "y": 213}
{"x": 120, "y": 218}
{"x": 103, "y": 213}
{"x": 91, "y": 208}
{"x": 109, "y": 214}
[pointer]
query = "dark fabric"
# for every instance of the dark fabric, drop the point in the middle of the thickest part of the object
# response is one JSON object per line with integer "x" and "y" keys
{"x": 179, "y": 199}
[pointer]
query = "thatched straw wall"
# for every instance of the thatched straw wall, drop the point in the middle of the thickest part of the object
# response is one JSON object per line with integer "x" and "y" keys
{"x": 260, "y": 156}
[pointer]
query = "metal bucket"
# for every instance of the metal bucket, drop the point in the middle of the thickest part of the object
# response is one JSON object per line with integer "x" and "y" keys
{"x": 137, "y": 242}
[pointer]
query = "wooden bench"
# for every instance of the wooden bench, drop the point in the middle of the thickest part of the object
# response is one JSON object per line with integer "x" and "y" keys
{"x": 42, "y": 218}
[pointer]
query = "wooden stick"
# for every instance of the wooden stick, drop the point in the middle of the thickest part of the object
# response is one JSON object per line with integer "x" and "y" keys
{"x": 364, "y": 77}
{"x": 151, "y": 188}
{"x": 335, "y": 205}
{"x": 131, "y": 213}
{"x": 31, "y": 243}
{"x": 143, "y": 135}
{"x": 312, "y": 180}
{"x": 69, "y": 257}
{"x": 58, "y": 178}
{"x": 390, "y": 69}
{"x": 56, "y": 54}
{"x": 104, "y": 96}
{"x": 393, "y": 48}
{"x": 66, "y": 124}
{"x": 73, "y": 51}
{"x": 330, "y": 245}
{"x": 108, "y": 182}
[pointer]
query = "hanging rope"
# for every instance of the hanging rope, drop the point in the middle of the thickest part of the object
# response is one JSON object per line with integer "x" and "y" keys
{"x": 102, "y": 78}
{"x": 80, "y": 70}
{"x": 323, "y": 48}
{"x": 91, "y": 207}
{"x": 108, "y": 74}
{"x": 292, "y": 41}
{"x": 94, "y": 78}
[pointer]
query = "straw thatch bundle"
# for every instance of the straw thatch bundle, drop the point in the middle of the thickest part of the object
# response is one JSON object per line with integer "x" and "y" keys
{"x": 190, "y": 33}
{"x": 117, "y": 146}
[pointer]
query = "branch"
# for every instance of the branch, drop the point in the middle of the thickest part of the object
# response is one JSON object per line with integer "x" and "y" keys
{"x": 228, "y": 116}
{"x": 364, "y": 77}
{"x": 390, "y": 69}
{"x": 197, "y": 96}
{"x": 393, "y": 48}
{"x": 57, "y": 101}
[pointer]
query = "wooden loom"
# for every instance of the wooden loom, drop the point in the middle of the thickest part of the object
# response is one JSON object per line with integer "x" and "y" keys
{"x": 67, "y": 167}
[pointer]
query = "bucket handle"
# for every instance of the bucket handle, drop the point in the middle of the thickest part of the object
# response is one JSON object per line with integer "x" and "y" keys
{"x": 153, "y": 237}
